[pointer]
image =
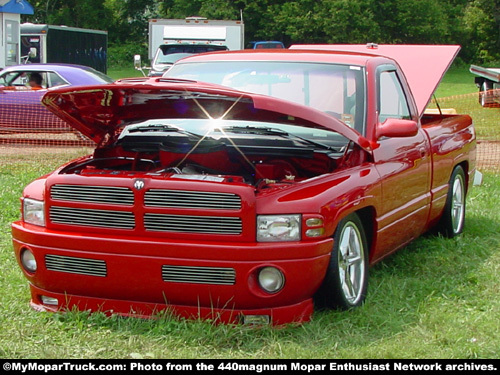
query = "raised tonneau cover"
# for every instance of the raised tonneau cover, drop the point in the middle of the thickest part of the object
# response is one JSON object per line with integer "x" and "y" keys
{"x": 423, "y": 65}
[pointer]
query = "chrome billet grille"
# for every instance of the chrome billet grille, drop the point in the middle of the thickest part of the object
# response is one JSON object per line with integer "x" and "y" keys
{"x": 192, "y": 199}
{"x": 92, "y": 217}
{"x": 93, "y": 194}
{"x": 193, "y": 224}
{"x": 198, "y": 275}
{"x": 81, "y": 266}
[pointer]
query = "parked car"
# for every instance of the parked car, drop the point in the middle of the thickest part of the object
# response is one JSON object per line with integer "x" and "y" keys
{"x": 20, "y": 105}
{"x": 252, "y": 197}
{"x": 265, "y": 44}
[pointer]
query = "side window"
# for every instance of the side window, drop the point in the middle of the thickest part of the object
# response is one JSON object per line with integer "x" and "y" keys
{"x": 11, "y": 42}
{"x": 392, "y": 101}
{"x": 54, "y": 79}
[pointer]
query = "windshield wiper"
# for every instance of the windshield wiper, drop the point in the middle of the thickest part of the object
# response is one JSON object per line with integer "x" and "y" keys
{"x": 254, "y": 130}
{"x": 162, "y": 128}
{"x": 278, "y": 132}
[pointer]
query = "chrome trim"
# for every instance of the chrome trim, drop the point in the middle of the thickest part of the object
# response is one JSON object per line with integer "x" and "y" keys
{"x": 93, "y": 194}
{"x": 198, "y": 275}
{"x": 192, "y": 199}
{"x": 192, "y": 224}
{"x": 92, "y": 217}
{"x": 80, "y": 266}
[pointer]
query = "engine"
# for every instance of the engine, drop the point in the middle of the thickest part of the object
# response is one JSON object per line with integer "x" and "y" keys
{"x": 255, "y": 159}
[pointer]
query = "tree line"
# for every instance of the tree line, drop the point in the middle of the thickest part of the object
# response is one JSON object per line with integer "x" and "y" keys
{"x": 474, "y": 24}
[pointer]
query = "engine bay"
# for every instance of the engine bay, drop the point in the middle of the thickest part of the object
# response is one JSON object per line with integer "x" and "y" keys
{"x": 256, "y": 156}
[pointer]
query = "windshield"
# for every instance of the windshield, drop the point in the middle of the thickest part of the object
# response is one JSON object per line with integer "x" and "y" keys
{"x": 168, "y": 54}
{"x": 171, "y": 58}
{"x": 207, "y": 129}
{"x": 338, "y": 90}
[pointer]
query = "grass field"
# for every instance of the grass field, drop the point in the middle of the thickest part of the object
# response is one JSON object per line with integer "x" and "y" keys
{"x": 457, "y": 81}
{"x": 437, "y": 298}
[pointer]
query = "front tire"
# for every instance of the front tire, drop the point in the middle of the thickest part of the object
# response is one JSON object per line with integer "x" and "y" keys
{"x": 452, "y": 221}
{"x": 346, "y": 279}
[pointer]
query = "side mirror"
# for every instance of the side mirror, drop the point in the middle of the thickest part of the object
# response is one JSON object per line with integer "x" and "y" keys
{"x": 397, "y": 128}
{"x": 137, "y": 61}
{"x": 32, "y": 53}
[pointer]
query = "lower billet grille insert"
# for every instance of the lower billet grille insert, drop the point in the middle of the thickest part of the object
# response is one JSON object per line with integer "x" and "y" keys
{"x": 199, "y": 275}
{"x": 81, "y": 266}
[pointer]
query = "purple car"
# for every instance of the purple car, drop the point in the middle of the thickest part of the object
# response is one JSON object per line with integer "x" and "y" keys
{"x": 23, "y": 86}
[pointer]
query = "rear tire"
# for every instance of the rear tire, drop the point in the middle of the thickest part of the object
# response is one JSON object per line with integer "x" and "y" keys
{"x": 346, "y": 279}
{"x": 452, "y": 221}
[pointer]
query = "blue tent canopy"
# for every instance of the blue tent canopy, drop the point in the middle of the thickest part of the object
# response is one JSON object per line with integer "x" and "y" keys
{"x": 17, "y": 7}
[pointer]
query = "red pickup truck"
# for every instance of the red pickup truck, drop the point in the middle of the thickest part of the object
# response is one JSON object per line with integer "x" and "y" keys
{"x": 246, "y": 186}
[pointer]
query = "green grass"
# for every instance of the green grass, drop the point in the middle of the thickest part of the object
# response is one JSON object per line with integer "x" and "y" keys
{"x": 457, "y": 81}
{"x": 117, "y": 73}
{"x": 437, "y": 298}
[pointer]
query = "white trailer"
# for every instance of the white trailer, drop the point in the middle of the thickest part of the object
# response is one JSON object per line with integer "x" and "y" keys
{"x": 171, "y": 39}
{"x": 488, "y": 82}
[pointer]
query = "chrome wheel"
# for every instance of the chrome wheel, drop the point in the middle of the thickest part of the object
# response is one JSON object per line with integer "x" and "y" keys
{"x": 453, "y": 218}
{"x": 351, "y": 263}
{"x": 458, "y": 204}
{"x": 346, "y": 279}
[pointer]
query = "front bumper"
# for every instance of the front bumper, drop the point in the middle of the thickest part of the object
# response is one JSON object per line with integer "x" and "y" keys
{"x": 133, "y": 277}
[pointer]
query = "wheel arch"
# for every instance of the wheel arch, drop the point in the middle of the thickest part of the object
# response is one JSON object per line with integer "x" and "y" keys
{"x": 465, "y": 166}
{"x": 367, "y": 217}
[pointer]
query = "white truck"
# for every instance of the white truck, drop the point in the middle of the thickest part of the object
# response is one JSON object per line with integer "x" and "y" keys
{"x": 488, "y": 82}
{"x": 172, "y": 39}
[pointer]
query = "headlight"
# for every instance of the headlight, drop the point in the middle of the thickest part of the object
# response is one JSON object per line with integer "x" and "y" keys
{"x": 275, "y": 228}
{"x": 34, "y": 212}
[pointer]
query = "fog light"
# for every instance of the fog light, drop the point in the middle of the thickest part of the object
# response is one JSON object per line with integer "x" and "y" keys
{"x": 49, "y": 301}
{"x": 271, "y": 279}
{"x": 28, "y": 260}
{"x": 256, "y": 319}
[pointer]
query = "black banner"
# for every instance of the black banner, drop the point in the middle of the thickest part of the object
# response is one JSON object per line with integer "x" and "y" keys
{"x": 248, "y": 366}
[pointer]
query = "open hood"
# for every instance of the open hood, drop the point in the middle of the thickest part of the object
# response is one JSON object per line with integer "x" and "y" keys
{"x": 423, "y": 65}
{"x": 100, "y": 111}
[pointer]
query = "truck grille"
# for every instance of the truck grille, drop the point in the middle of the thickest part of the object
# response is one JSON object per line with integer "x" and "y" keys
{"x": 93, "y": 194}
{"x": 92, "y": 217}
{"x": 192, "y": 224}
{"x": 198, "y": 275}
{"x": 166, "y": 206}
{"x": 81, "y": 266}
{"x": 192, "y": 199}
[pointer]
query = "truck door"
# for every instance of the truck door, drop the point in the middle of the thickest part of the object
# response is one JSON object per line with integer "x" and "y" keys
{"x": 404, "y": 167}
